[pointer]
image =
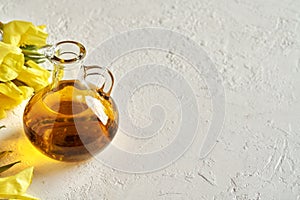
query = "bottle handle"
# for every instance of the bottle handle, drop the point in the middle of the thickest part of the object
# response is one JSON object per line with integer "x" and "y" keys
{"x": 103, "y": 86}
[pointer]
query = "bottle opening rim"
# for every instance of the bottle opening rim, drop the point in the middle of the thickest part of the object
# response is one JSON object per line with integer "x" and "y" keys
{"x": 74, "y": 53}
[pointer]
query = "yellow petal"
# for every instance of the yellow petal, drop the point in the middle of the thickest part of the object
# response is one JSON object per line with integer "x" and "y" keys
{"x": 8, "y": 48}
{"x": 17, "y": 184}
{"x": 34, "y": 36}
{"x": 8, "y": 103}
{"x": 14, "y": 60}
{"x": 16, "y": 196}
{"x": 9, "y": 89}
{"x": 22, "y": 33}
{"x": 7, "y": 74}
{"x": 33, "y": 78}
{"x": 11, "y": 62}
{"x": 2, "y": 113}
{"x": 27, "y": 91}
{"x": 44, "y": 73}
{"x": 42, "y": 26}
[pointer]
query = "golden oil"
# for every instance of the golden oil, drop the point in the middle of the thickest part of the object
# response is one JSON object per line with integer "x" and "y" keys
{"x": 70, "y": 122}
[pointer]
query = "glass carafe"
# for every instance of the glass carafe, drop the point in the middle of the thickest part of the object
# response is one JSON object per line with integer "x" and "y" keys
{"x": 74, "y": 117}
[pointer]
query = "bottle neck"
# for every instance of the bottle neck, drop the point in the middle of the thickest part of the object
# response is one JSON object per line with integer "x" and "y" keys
{"x": 66, "y": 72}
{"x": 67, "y": 58}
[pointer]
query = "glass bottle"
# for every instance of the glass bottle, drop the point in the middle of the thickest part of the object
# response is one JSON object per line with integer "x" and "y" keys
{"x": 74, "y": 117}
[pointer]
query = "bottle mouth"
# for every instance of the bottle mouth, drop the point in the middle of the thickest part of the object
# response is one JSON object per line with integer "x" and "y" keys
{"x": 66, "y": 52}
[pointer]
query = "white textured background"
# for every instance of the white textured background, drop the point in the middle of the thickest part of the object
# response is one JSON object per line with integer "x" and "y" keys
{"x": 255, "y": 46}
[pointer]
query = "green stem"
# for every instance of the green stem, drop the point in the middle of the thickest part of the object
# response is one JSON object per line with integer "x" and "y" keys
{"x": 31, "y": 52}
{"x": 6, "y": 167}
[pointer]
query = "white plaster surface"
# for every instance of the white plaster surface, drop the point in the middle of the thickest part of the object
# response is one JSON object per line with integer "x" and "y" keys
{"x": 255, "y": 46}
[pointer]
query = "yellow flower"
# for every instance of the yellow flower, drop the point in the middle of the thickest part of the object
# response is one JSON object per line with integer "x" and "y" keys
{"x": 11, "y": 62}
{"x": 12, "y": 69}
{"x": 20, "y": 44}
{"x": 15, "y": 187}
{"x": 34, "y": 76}
{"x": 21, "y": 33}
{"x": 12, "y": 95}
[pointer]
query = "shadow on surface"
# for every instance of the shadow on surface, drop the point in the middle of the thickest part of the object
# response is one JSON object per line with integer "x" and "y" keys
{"x": 23, "y": 150}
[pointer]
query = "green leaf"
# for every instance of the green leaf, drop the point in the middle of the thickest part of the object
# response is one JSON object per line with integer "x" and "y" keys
{"x": 35, "y": 59}
{"x": 6, "y": 167}
{"x": 31, "y": 52}
{"x": 29, "y": 47}
{"x": 4, "y": 153}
